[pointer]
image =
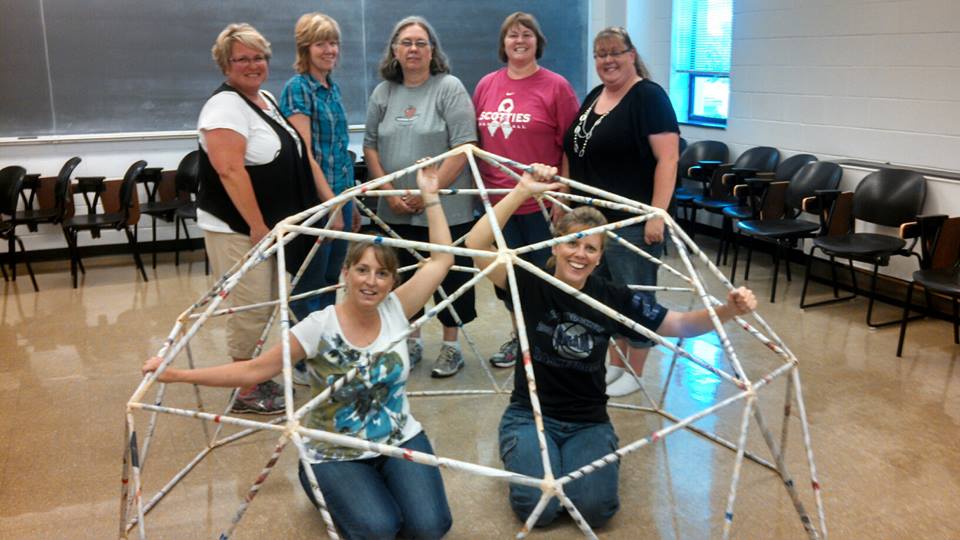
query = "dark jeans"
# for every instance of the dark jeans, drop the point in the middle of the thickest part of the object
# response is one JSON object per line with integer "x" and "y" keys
{"x": 324, "y": 270}
{"x": 466, "y": 304}
{"x": 570, "y": 445}
{"x": 384, "y": 497}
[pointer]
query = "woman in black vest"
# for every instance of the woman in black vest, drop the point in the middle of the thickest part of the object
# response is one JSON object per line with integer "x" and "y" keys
{"x": 253, "y": 173}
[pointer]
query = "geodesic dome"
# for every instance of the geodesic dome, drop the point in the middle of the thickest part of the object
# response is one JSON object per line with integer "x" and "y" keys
{"x": 770, "y": 361}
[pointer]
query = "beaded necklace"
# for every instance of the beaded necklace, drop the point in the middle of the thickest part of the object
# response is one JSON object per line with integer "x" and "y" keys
{"x": 581, "y": 132}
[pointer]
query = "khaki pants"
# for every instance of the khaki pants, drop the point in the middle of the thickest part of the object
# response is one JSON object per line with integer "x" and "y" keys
{"x": 259, "y": 284}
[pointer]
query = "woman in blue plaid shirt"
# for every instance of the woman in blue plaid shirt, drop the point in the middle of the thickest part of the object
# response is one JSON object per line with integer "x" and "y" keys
{"x": 311, "y": 102}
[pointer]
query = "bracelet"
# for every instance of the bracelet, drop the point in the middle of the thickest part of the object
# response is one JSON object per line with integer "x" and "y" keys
{"x": 431, "y": 203}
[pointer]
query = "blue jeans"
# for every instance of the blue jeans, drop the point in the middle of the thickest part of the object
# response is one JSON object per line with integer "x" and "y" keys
{"x": 384, "y": 497}
{"x": 570, "y": 445}
{"x": 624, "y": 267}
{"x": 323, "y": 270}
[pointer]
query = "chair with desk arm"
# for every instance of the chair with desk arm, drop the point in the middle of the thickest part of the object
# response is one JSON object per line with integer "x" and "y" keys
{"x": 121, "y": 212}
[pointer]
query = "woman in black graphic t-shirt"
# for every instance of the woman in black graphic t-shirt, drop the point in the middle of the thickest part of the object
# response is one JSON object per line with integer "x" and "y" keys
{"x": 567, "y": 345}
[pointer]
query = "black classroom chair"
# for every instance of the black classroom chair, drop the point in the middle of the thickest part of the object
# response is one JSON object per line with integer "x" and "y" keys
{"x": 187, "y": 182}
{"x": 778, "y": 220}
{"x": 718, "y": 191}
{"x": 939, "y": 266}
{"x": 11, "y": 182}
{"x": 121, "y": 212}
{"x": 694, "y": 154}
{"x": 888, "y": 197}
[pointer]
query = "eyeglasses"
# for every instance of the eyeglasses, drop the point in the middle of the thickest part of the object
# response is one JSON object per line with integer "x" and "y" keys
{"x": 614, "y": 54}
{"x": 246, "y": 60}
{"x": 408, "y": 43}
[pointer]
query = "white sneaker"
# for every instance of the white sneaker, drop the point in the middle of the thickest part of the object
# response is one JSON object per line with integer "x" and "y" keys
{"x": 623, "y": 386}
{"x": 614, "y": 373}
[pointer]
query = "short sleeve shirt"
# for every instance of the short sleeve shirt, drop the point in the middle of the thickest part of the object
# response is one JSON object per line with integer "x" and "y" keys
{"x": 618, "y": 157}
{"x": 522, "y": 119}
{"x": 227, "y": 110}
{"x": 405, "y": 124}
{"x": 373, "y": 406}
{"x": 330, "y": 139}
{"x": 568, "y": 343}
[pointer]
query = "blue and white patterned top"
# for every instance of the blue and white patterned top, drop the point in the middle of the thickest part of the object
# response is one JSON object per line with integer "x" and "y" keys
{"x": 303, "y": 94}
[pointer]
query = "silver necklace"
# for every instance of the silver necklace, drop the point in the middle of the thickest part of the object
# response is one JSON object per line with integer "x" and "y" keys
{"x": 581, "y": 132}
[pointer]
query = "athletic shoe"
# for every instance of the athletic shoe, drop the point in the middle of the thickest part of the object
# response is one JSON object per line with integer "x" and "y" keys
{"x": 300, "y": 375}
{"x": 623, "y": 386}
{"x": 448, "y": 363}
{"x": 260, "y": 400}
{"x": 614, "y": 373}
{"x": 414, "y": 351}
{"x": 272, "y": 388}
{"x": 506, "y": 357}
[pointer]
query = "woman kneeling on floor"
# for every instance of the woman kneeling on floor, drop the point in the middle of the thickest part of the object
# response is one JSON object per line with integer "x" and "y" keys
{"x": 568, "y": 342}
{"x": 369, "y": 495}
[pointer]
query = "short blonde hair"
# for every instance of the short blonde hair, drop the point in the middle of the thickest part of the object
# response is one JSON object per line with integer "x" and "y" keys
{"x": 311, "y": 28}
{"x": 238, "y": 33}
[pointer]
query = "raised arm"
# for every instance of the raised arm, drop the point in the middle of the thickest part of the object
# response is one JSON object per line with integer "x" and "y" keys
{"x": 740, "y": 301}
{"x": 415, "y": 292}
{"x": 233, "y": 374}
{"x": 481, "y": 235}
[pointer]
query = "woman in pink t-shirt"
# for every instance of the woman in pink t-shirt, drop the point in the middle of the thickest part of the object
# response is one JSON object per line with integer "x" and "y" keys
{"x": 523, "y": 111}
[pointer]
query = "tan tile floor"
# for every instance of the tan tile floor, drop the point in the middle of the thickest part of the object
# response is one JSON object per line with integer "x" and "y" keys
{"x": 885, "y": 430}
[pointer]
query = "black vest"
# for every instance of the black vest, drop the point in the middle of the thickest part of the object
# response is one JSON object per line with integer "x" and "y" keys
{"x": 282, "y": 187}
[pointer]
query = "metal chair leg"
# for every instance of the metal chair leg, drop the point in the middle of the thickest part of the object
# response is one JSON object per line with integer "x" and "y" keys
{"x": 153, "y": 245}
{"x": 176, "y": 241}
{"x": 956, "y": 320}
{"x": 26, "y": 262}
{"x": 776, "y": 272}
{"x": 132, "y": 240}
{"x": 736, "y": 255}
{"x": 903, "y": 320}
{"x": 12, "y": 255}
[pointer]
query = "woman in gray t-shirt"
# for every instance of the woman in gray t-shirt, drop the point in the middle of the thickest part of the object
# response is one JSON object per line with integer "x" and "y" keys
{"x": 421, "y": 110}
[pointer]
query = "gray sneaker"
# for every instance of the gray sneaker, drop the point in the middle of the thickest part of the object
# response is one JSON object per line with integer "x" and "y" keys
{"x": 506, "y": 357}
{"x": 272, "y": 388}
{"x": 448, "y": 363}
{"x": 415, "y": 351}
{"x": 260, "y": 401}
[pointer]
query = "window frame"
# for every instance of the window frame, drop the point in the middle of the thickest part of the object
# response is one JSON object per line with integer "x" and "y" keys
{"x": 686, "y": 67}
{"x": 697, "y": 119}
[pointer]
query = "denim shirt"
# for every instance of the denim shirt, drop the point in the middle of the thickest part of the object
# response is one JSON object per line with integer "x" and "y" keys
{"x": 303, "y": 94}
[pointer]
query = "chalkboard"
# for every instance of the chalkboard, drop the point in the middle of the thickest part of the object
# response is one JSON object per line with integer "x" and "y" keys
{"x": 114, "y": 66}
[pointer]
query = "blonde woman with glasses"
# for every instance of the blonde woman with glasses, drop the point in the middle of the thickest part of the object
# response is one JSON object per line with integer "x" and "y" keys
{"x": 626, "y": 140}
{"x": 254, "y": 172}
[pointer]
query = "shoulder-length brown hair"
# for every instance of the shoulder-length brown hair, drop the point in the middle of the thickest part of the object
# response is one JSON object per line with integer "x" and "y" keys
{"x": 389, "y": 65}
{"x": 311, "y": 28}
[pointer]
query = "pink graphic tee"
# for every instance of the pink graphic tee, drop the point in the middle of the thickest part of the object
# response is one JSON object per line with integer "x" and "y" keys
{"x": 522, "y": 119}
